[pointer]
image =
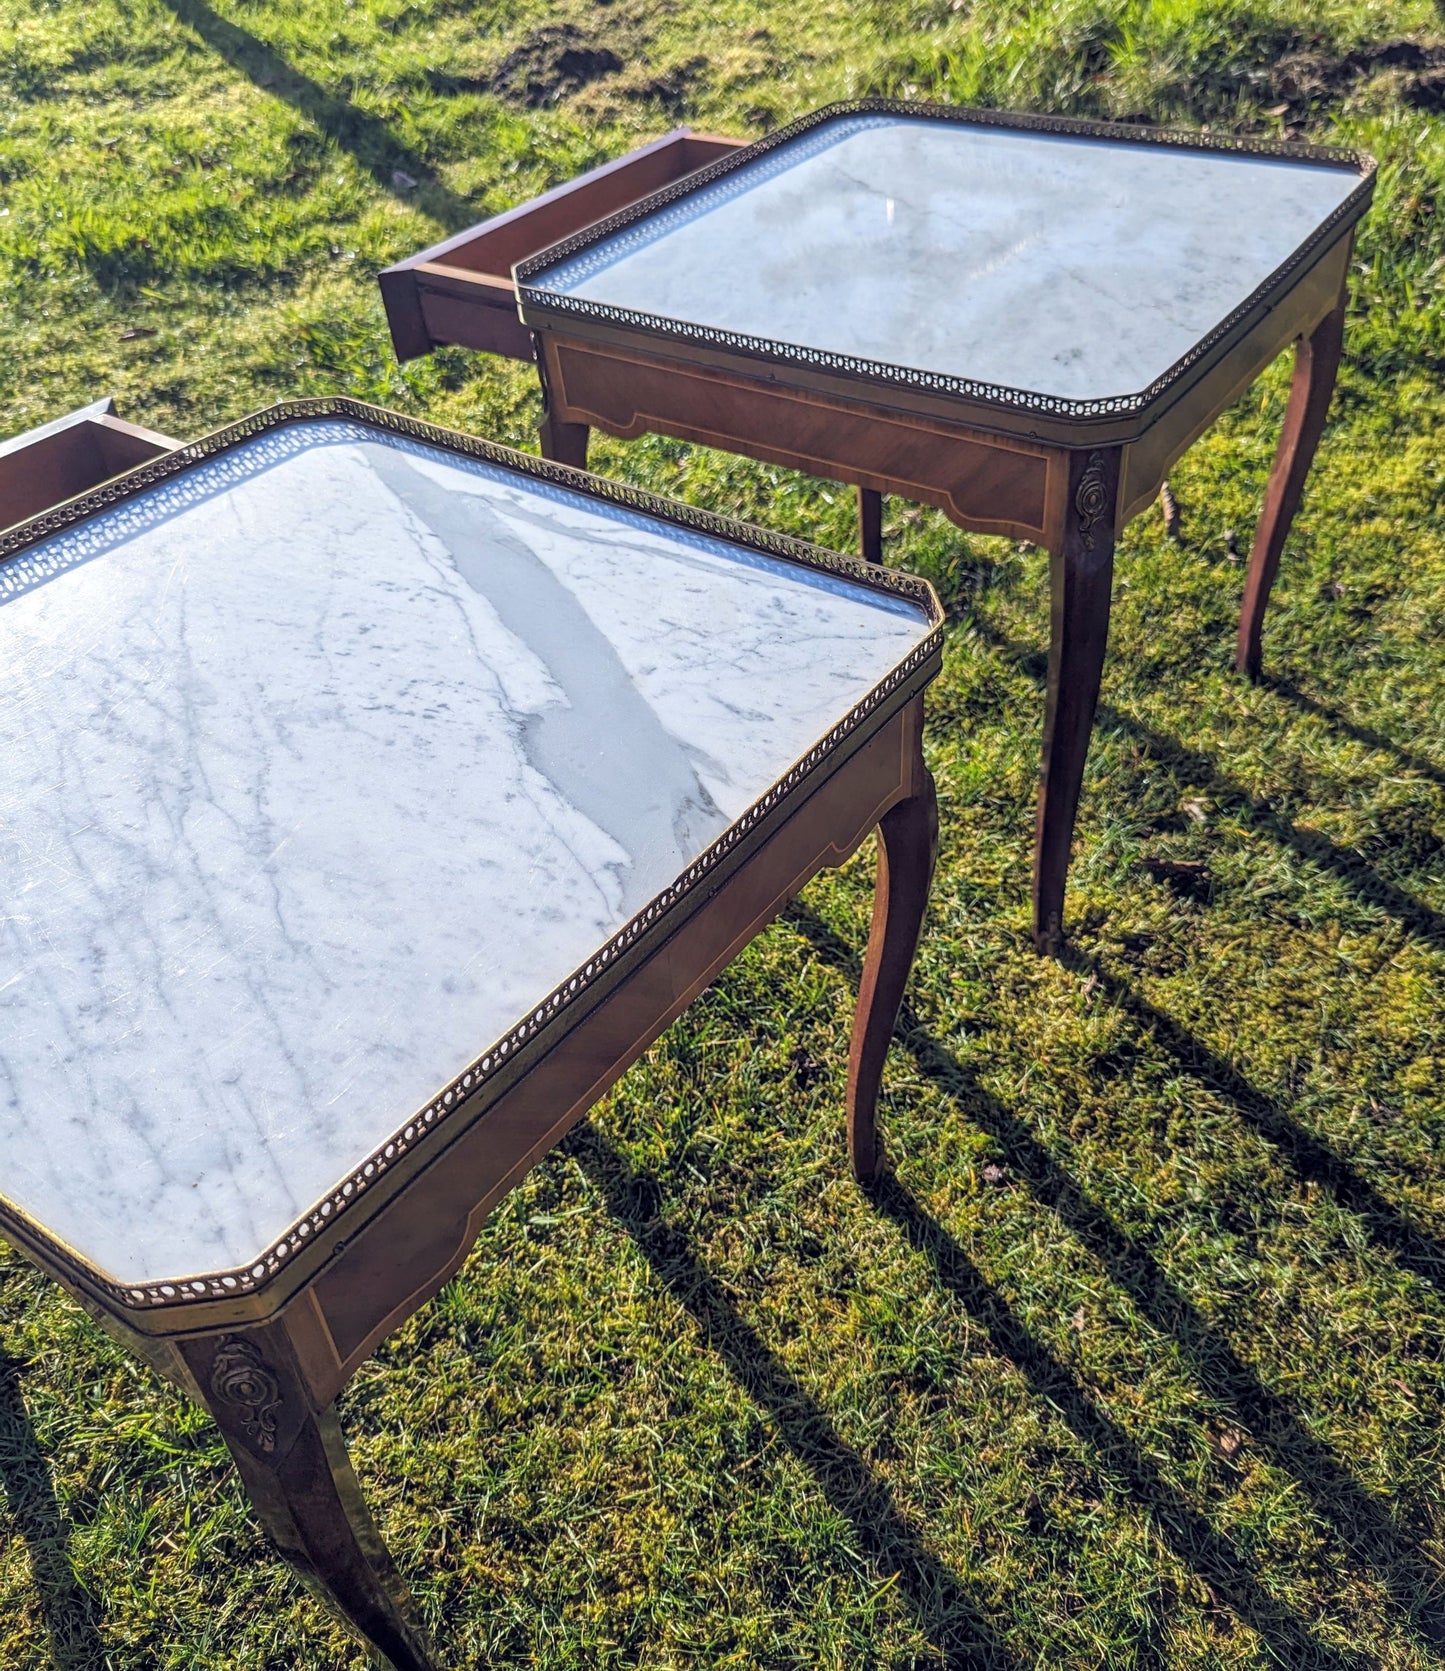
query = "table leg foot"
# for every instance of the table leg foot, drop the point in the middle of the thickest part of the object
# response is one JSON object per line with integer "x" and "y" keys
{"x": 1317, "y": 359}
{"x": 907, "y": 849}
{"x": 1081, "y": 577}
{"x": 870, "y": 525}
{"x": 563, "y": 443}
{"x": 293, "y": 1463}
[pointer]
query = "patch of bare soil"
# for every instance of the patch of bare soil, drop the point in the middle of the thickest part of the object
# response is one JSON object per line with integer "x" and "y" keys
{"x": 553, "y": 62}
{"x": 605, "y": 58}
{"x": 1417, "y": 68}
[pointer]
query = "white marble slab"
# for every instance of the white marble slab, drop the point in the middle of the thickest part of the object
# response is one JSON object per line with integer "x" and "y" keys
{"x": 1065, "y": 266}
{"x": 323, "y": 765}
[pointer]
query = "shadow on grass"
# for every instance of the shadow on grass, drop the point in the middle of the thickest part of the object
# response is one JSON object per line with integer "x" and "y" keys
{"x": 367, "y": 138}
{"x": 938, "y": 1601}
{"x": 1290, "y": 692}
{"x": 942, "y": 1610}
{"x": 1363, "y": 1526}
{"x": 1202, "y": 771}
{"x": 68, "y": 1609}
{"x": 1310, "y": 1158}
{"x": 1211, "y": 1556}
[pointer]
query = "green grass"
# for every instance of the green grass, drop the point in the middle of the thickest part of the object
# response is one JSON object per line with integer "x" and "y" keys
{"x": 1138, "y": 1361}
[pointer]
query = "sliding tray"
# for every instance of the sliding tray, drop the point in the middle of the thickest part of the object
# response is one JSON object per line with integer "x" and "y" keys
{"x": 71, "y": 455}
{"x": 461, "y": 291}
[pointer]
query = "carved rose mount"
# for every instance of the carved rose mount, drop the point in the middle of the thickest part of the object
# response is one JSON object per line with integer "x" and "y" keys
{"x": 1091, "y": 499}
{"x": 241, "y": 1379}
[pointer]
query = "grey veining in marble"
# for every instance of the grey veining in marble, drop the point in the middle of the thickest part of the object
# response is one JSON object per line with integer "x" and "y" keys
{"x": 324, "y": 763}
{"x": 1066, "y": 266}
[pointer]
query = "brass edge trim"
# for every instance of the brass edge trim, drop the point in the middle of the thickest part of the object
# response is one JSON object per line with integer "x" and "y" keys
{"x": 238, "y": 1282}
{"x": 536, "y": 305}
{"x": 691, "y": 518}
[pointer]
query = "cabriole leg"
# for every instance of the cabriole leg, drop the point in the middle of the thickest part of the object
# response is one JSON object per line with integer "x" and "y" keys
{"x": 907, "y": 848}
{"x": 1081, "y": 577}
{"x": 1317, "y": 359}
{"x": 870, "y": 524}
{"x": 561, "y": 442}
{"x": 294, "y": 1465}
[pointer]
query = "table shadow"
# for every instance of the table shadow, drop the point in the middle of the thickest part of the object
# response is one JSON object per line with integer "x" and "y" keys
{"x": 1388, "y": 1545}
{"x": 1290, "y": 692}
{"x": 68, "y": 1609}
{"x": 1363, "y": 881}
{"x": 1308, "y": 1156}
{"x": 365, "y": 137}
{"x": 1231, "y": 1577}
{"x": 1202, "y": 771}
{"x": 934, "y": 1595}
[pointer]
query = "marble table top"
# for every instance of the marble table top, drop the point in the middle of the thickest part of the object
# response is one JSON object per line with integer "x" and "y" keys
{"x": 1070, "y": 266}
{"x": 326, "y": 761}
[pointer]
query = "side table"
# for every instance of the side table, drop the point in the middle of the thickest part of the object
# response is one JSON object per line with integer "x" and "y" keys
{"x": 1023, "y": 321}
{"x": 375, "y": 797}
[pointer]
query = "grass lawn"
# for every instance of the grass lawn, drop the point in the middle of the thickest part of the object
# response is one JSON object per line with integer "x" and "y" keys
{"x": 1136, "y": 1362}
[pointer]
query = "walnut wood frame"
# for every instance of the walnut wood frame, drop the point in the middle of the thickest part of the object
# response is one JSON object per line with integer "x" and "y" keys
{"x": 994, "y": 460}
{"x": 70, "y": 456}
{"x": 268, "y": 1354}
{"x": 460, "y": 292}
